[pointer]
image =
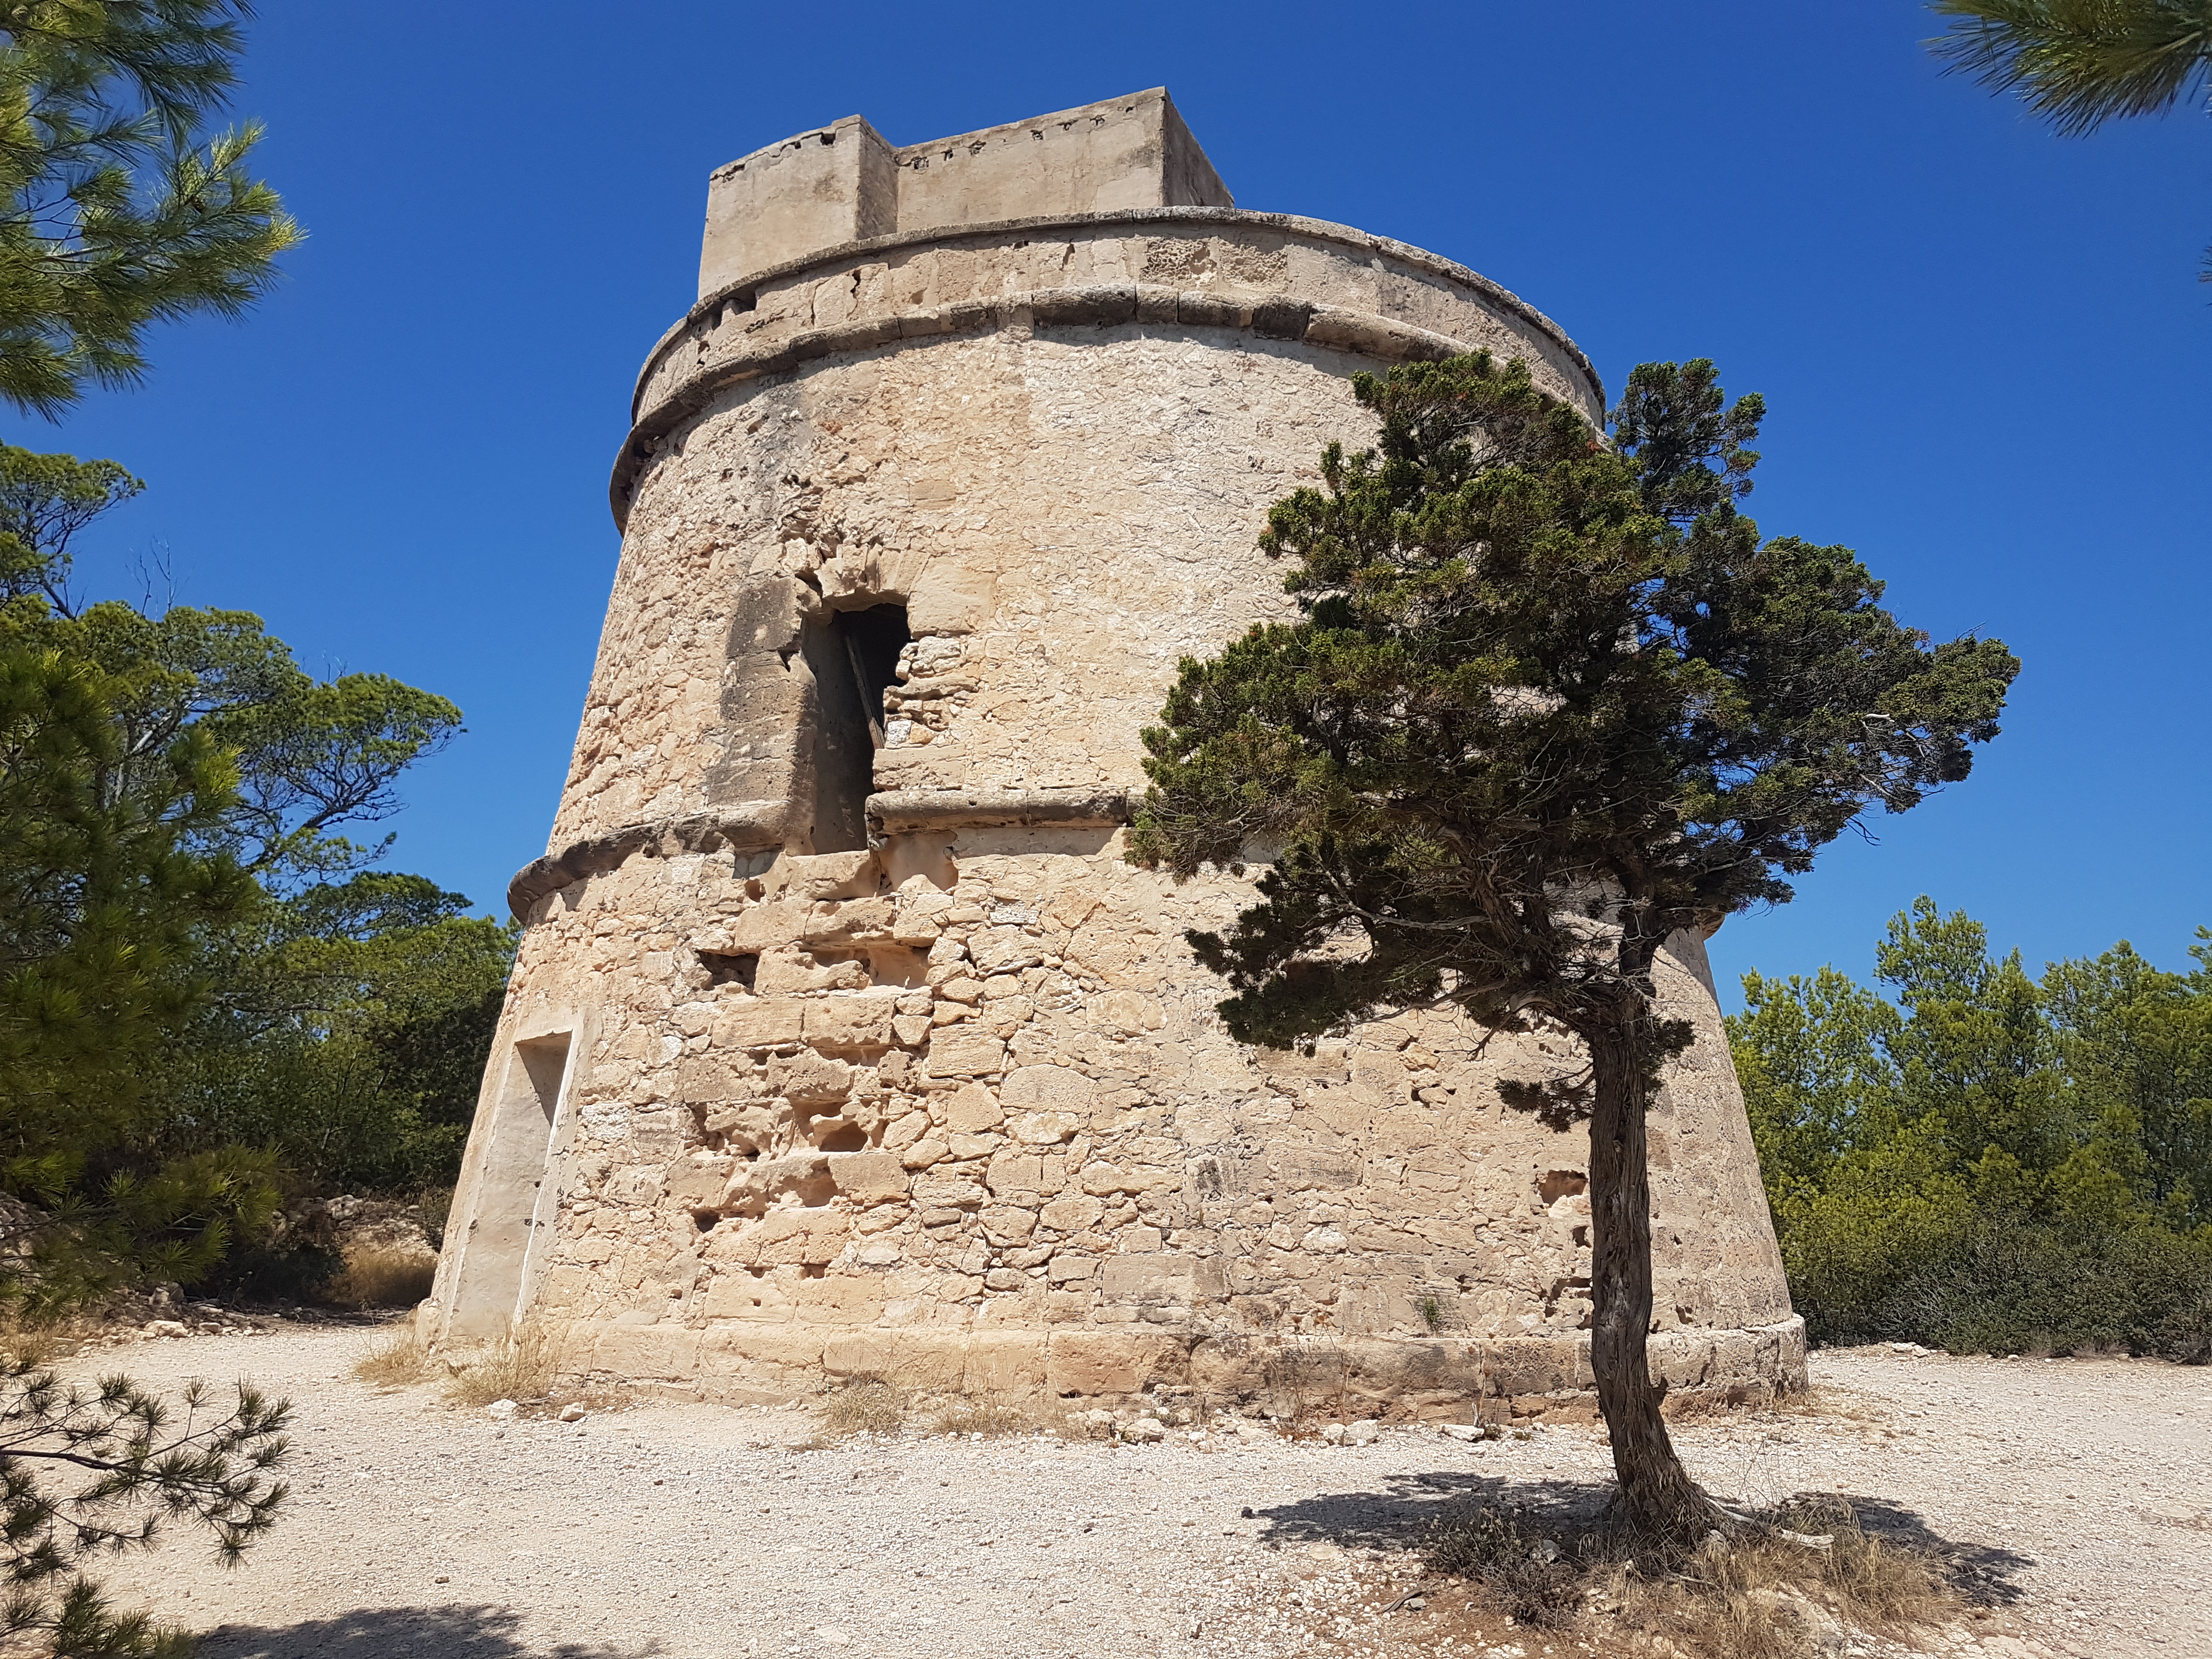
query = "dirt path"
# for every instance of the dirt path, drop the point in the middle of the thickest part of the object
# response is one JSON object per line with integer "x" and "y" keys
{"x": 2078, "y": 1490}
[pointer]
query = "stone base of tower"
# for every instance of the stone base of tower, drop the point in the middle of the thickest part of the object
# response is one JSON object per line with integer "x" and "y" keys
{"x": 1446, "y": 1377}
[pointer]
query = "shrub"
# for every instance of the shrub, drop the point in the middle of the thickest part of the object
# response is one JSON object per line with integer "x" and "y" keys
{"x": 383, "y": 1276}
{"x": 520, "y": 1367}
{"x": 866, "y": 1405}
{"x": 393, "y": 1360}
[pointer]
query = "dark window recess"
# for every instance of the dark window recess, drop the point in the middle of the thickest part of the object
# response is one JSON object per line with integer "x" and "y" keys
{"x": 854, "y": 657}
{"x": 731, "y": 967}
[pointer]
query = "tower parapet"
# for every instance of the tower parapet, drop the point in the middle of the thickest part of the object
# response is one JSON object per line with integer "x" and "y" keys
{"x": 797, "y": 199}
{"x": 841, "y": 1037}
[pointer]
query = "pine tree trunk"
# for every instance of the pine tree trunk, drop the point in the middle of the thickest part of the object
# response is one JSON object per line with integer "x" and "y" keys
{"x": 1658, "y": 1490}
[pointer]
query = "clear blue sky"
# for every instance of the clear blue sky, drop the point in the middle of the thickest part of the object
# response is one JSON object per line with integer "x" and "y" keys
{"x": 1983, "y": 349}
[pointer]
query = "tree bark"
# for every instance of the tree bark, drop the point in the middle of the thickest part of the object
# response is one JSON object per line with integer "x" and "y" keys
{"x": 1658, "y": 1490}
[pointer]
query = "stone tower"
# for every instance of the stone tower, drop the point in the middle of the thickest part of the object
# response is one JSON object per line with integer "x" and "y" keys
{"x": 842, "y": 1038}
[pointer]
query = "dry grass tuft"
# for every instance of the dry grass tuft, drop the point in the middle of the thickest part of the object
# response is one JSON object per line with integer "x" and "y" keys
{"x": 1758, "y": 1595}
{"x": 866, "y": 1405}
{"x": 970, "y": 1415}
{"x": 393, "y": 1360}
{"x": 382, "y": 1276}
{"x": 520, "y": 1367}
{"x": 23, "y": 1344}
{"x": 1530, "y": 1575}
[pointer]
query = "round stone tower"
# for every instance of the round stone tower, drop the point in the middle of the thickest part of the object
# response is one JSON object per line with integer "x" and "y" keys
{"x": 842, "y": 1040}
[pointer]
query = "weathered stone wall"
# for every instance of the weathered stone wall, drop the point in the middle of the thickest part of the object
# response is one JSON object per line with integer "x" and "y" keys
{"x": 953, "y": 1103}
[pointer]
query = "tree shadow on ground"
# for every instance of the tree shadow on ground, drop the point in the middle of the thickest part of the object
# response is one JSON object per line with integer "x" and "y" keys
{"x": 449, "y": 1633}
{"x": 1407, "y": 1514}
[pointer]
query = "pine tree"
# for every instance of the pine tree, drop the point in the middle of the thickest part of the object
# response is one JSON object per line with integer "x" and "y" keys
{"x": 2081, "y": 62}
{"x": 120, "y": 207}
{"x": 1551, "y": 701}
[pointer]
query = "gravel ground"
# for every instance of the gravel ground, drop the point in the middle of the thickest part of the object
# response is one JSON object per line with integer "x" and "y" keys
{"x": 2076, "y": 1491}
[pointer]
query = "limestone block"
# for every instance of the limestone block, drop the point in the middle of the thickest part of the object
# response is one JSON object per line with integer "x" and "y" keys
{"x": 1045, "y": 1128}
{"x": 700, "y": 1181}
{"x": 760, "y": 1022}
{"x": 1071, "y": 1214}
{"x": 1051, "y": 1089}
{"x": 827, "y": 876}
{"x": 1102, "y": 1178}
{"x": 929, "y": 1358}
{"x": 644, "y": 1352}
{"x": 849, "y": 1023}
{"x": 1013, "y": 1172}
{"x": 711, "y": 1079}
{"x": 1168, "y": 1278}
{"x": 1007, "y": 1362}
{"x": 925, "y": 1152}
{"x": 768, "y": 926}
{"x": 800, "y": 1234}
{"x": 1004, "y": 949}
{"x": 868, "y": 1177}
{"x": 1129, "y": 1013}
{"x": 950, "y": 1194}
{"x": 810, "y": 1079}
{"x": 849, "y": 921}
{"x": 775, "y": 1350}
{"x": 637, "y": 1183}
{"x": 749, "y": 1128}
{"x": 963, "y": 1052}
{"x": 1083, "y": 1362}
{"x": 741, "y": 1296}
{"x": 859, "y": 1354}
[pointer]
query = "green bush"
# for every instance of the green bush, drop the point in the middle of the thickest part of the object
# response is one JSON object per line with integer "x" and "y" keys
{"x": 1989, "y": 1163}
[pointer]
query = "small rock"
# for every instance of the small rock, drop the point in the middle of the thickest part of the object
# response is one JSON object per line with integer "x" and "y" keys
{"x": 1462, "y": 1432}
{"x": 1144, "y": 1428}
{"x": 573, "y": 1412}
{"x": 442, "y": 1578}
{"x": 1416, "y": 1603}
{"x": 167, "y": 1327}
{"x": 1547, "y": 1551}
{"x": 501, "y": 1409}
{"x": 1334, "y": 1433}
{"x": 1365, "y": 1433}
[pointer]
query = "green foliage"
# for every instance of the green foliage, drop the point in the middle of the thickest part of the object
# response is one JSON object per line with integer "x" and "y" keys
{"x": 2079, "y": 63}
{"x": 348, "y": 1035}
{"x": 45, "y": 500}
{"x": 126, "y": 1462}
{"x": 102, "y": 903}
{"x": 169, "y": 1222}
{"x": 122, "y": 208}
{"x": 206, "y": 995}
{"x": 1987, "y": 1163}
{"x": 1551, "y": 700}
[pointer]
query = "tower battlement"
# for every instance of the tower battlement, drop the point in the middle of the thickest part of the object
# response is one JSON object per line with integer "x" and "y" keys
{"x": 846, "y": 183}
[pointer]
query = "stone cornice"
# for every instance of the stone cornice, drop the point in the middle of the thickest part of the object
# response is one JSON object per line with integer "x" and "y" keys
{"x": 1269, "y": 315}
{"x": 757, "y": 827}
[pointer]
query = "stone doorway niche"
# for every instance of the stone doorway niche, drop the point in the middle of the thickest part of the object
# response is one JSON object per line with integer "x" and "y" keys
{"x": 854, "y": 657}
{"x": 495, "y": 1254}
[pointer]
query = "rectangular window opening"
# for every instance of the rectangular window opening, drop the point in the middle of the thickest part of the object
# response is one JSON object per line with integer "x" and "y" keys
{"x": 853, "y": 656}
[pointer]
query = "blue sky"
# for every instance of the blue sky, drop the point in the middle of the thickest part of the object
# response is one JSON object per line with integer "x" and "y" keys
{"x": 1982, "y": 347}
